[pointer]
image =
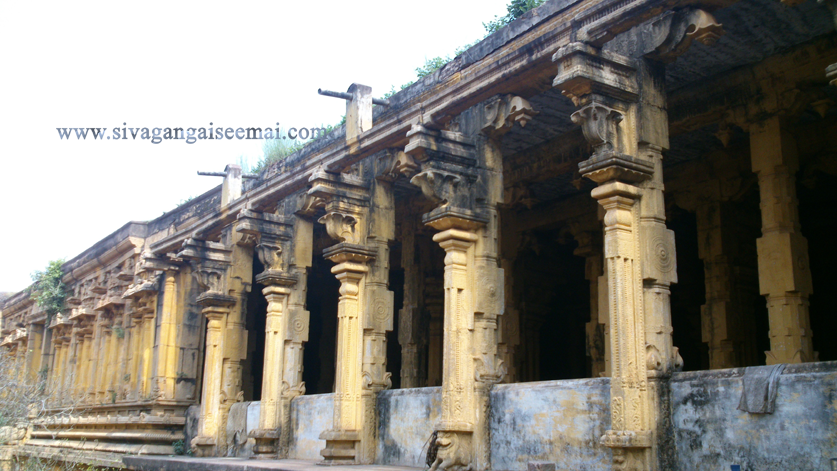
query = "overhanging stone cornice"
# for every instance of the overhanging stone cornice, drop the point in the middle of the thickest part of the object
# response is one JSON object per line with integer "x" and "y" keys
{"x": 127, "y": 247}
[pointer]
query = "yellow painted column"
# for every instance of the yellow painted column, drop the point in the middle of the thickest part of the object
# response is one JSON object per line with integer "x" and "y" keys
{"x": 784, "y": 271}
{"x": 87, "y": 367}
{"x": 630, "y": 435}
{"x": 135, "y": 364}
{"x": 458, "y": 416}
{"x": 167, "y": 354}
{"x": 216, "y": 324}
{"x": 343, "y": 440}
{"x": 35, "y": 351}
{"x": 148, "y": 328}
{"x": 79, "y": 367}
{"x": 271, "y": 414}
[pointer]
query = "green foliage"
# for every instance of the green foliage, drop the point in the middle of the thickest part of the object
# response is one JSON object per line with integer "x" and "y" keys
{"x": 515, "y": 10}
{"x": 119, "y": 331}
{"x": 179, "y": 447}
{"x": 50, "y": 291}
{"x": 430, "y": 66}
{"x": 184, "y": 201}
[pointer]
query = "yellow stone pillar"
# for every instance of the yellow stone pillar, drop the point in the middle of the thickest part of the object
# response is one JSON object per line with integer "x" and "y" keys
{"x": 623, "y": 117}
{"x": 212, "y": 264}
{"x": 359, "y": 213}
{"x": 458, "y": 417}
{"x": 135, "y": 335}
{"x": 216, "y": 309}
{"x": 87, "y": 367}
{"x": 34, "y": 352}
{"x": 271, "y": 416}
{"x": 148, "y": 327}
{"x": 343, "y": 441}
{"x": 784, "y": 271}
{"x": 284, "y": 248}
{"x": 167, "y": 350}
{"x": 95, "y": 355}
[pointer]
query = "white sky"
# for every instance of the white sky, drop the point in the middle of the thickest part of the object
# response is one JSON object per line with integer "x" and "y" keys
{"x": 167, "y": 64}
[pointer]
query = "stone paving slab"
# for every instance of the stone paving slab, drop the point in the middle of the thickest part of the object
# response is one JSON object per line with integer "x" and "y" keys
{"x": 171, "y": 463}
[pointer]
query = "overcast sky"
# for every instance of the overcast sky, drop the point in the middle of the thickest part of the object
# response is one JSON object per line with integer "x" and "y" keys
{"x": 167, "y": 64}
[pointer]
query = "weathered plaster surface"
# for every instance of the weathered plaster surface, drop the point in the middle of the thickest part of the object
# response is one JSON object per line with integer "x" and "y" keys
{"x": 712, "y": 434}
{"x": 552, "y": 421}
{"x": 310, "y": 416}
{"x": 406, "y": 420}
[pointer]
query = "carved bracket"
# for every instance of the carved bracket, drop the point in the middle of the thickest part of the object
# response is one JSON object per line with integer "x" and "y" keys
{"x": 502, "y": 111}
{"x": 270, "y": 232}
{"x": 599, "y": 125}
{"x": 210, "y": 261}
{"x": 672, "y": 34}
{"x": 400, "y": 164}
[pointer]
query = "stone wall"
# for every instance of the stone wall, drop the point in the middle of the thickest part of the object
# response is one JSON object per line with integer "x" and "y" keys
{"x": 553, "y": 421}
{"x": 406, "y": 419}
{"x": 310, "y": 416}
{"x": 712, "y": 434}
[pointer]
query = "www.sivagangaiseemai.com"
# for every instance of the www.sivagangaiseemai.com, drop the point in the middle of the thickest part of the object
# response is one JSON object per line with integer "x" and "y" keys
{"x": 190, "y": 135}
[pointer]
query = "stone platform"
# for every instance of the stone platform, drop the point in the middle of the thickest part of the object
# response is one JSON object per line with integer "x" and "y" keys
{"x": 171, "y": 463}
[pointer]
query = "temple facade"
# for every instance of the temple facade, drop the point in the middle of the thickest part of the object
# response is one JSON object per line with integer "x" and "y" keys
{"x": 564, "y": 247}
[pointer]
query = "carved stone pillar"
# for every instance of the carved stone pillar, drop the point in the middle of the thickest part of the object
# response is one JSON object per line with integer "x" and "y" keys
{"x": 286, "y": 326}
{"x": 459, "y": 402}
{"x": 784, "y": 271}
{"x": 623, "y": 117}
{"x": 34, "y": 352}
{"x": 343, "y": 440}
{"x": 167, "y": 358}
{"x": 359, "y": 213}
{"x": 461, "y": 172}
{"x": 211, "y": 262}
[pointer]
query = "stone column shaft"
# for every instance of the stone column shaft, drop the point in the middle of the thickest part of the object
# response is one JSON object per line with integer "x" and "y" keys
{"x": 167, "y": 349}
{"x": 272, "y": 411}
{"x": 630, "y": 435}
{"x": 343, "y": 440}
{"x": 784, "y": 271}
{"x": 216, "y": 325}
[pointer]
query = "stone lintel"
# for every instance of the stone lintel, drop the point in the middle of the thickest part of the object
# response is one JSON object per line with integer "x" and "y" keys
{"x": 584, "y": 70}
{"x": 346, "y": 252}
{"x": 610, "y": 166}
{"x": 276, "y": 277}
{"x": 215, "y": 299}
{"x": 260, "y": 224}
{"x": 449, "y": 217}
{"x": 447, "y": 146}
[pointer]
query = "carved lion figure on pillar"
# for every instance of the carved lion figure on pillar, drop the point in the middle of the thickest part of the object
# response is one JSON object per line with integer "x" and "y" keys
{"x": 454, "y": 453}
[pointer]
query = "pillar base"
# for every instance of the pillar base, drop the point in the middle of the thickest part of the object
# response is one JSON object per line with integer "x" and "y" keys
{"x": 342, "y": 447}
{"x": 265, "y": 448}
{"x": 203, "y": 447}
